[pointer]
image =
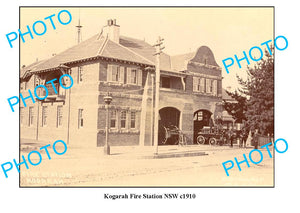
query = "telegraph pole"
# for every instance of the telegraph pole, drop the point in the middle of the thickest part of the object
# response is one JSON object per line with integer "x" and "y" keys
{"x": 78, "y": 32}
{"x": 158, "y": 51}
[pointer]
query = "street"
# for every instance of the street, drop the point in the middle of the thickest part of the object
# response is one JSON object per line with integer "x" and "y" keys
{"x": 127, "y": 166}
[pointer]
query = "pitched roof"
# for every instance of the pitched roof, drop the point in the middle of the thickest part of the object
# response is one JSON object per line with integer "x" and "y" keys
{"x": 30, "y": 67}
{"x": 128, "y": 49}
{"x": 179, "y": 62}
{"x": 86, "y": 49}
{"x": 146, "y": 50}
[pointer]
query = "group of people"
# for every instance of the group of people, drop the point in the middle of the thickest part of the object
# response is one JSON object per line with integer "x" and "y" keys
{"x": 242, "y": 135}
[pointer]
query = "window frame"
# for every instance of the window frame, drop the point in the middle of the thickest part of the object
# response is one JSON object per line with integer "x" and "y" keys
{"x": 117, "y": 76}
{"x": 44, "y": 115}
{"x": 123, "y": 119}
{"x": 80, "y": 75}
{"x": 133, "y": 119}
{"x": 80, "y": 118}
{"x": 22, "y": 115}
{"x": 59, "y": 118}
{"x": 30, "y": 116}
{"x": 113, "y": 116}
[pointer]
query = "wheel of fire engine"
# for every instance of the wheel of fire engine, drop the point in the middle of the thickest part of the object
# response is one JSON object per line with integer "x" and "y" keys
{"x": 200, "y": 139}
{"x": 212, "y": 141}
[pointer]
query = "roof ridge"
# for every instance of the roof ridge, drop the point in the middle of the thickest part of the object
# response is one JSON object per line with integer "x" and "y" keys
{"x": 132, "y": 51}
{"x": 101, "y": 49}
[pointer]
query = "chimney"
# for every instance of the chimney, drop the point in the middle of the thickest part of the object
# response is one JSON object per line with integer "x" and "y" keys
{"x": 112, "y": 30}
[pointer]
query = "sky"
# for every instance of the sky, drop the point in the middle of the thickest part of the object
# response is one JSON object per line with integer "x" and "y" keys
{"x": 226, "y": 31}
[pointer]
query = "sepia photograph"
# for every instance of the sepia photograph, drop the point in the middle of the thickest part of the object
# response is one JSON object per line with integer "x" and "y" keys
{"x": 146, "y": 96}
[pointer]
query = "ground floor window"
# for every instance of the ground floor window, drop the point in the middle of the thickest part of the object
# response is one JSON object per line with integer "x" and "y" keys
{"x": 44, "y": 115}
{"x": 132, "y": 120}
{"x": 113, "y": 119}
{"x": 120, "y": 119}
{"x": 21, "y": 115}
{"x": 123, "y": 119}
{"x": 31, "y": 116}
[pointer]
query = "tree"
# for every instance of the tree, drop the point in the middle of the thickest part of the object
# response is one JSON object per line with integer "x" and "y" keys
{"x": 236, "y": 109}
{"x": 258, "y": 90}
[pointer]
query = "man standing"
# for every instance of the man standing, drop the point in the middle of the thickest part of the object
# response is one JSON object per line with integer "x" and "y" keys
{"x": 230, "y": 136}
{"x": 255, "y": 139}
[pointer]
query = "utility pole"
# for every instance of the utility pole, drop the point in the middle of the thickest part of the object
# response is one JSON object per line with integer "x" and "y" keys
{"x": 158, "y": 51}
{"x": 78, "y": 32}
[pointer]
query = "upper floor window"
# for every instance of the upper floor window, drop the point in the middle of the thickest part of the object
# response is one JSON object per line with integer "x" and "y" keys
{"x": 134, "y": 76}
{"x": 165, "y": 82}
{"x": 198, "y": 84}
{"x": 115, "y": 73}
{"x": 214, "y": 87}
{"x": 205, "y": 85}
{"x": 208, "y": 85}
{"x": 80, "y": 74}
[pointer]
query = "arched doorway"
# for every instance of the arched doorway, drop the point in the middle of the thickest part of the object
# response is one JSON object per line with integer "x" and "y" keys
{"x": 202, "y": 118}
{"x": 168, "y": 118}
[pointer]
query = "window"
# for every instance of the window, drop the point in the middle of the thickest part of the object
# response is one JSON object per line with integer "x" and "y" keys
{"x": 44, "y": 115}
{"x": 21, "y": 115}
{"x": 132, "y": 120}
{"x": 31, "y": 116}
{"x": 134, "y": 76}
{"x": 200, "y": 116}
{"x": 123, "y": 119}
{"x": 214, "y": 87}
{"x": 208, "y": 86}
{"x": 80, "y": 74}
{"x": 198, "y": 84}
{"x": 211, "y": 86}
{"x": 165, "y": 82}
{"x": 115, "y": 73}
{"x": 113, "y": 119}
{"x": 59, "y": 116}
{"x": 80, "y": 118}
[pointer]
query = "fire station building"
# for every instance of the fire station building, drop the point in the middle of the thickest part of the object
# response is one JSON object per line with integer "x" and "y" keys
{"x": 190, "y": 92}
